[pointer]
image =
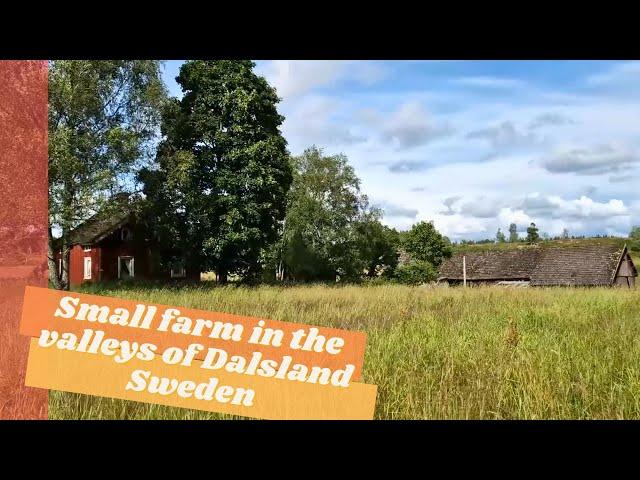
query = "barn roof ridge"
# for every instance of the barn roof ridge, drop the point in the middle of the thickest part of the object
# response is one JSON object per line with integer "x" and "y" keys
{"x": 591, "y": 264}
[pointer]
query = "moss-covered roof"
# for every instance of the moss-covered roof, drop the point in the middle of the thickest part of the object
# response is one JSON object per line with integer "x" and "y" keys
{"x": 586, "y": 265}
{"x": 515, "y": 264}
{"x": 570, "y": 264}
{"x": 115, "y": 214}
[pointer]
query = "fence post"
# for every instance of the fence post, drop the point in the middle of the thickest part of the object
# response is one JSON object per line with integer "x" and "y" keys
{"x": 464, "y": 271}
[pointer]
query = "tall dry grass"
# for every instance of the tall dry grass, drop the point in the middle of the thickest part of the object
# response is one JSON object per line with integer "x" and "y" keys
{"x": 17, "y": 402}
{"x": 445, "y": 353}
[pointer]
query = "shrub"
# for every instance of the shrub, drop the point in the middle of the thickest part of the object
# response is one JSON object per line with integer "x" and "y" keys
{"x": 416, "y": 272}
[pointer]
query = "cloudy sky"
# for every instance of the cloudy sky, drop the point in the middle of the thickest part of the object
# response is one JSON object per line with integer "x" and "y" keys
{"x": 474, "y": 145}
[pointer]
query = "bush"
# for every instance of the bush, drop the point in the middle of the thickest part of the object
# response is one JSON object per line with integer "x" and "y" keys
{"x": 416, "y": 272}
{"x": 634, "y": 239}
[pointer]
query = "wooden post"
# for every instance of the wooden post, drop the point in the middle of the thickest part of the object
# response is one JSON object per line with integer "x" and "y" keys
{"x": 464, "y": 271}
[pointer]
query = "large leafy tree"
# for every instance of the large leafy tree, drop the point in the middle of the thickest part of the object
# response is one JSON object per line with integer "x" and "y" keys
{"x": 218, "y": 193}
{"x": 103, "y": 116}
{"x": 424, "y": 243}
{"x": 377, "y": 244}
{"x": 319, "y": 238}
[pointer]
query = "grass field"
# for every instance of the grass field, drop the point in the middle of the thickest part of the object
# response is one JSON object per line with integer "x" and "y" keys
{"x": 443, "y": 353}
{"x": 17, "y": 402}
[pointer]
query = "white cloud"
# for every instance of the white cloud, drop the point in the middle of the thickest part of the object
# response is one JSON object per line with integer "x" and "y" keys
{"x": 315, "y": 120}
{"x": 396, "y": 211}
{"x": 624, "y": 177}
{"x": 505, "y": 136}
{"x": 489, "y": 82}
{"x": 448, "y": 203}
{"x": 607, "y": 158}
{"x": 294, "y": 78}
{"x": 553, "y": 206}
{"x": 368, "y": 73}
{"x": 550, "y": 120}
{"x": 480, "y": 216}
{"x": 481, "y": 207}
{"x": 408, "y": 166}
{"x": 507, "y": 216}
{"x": 620, "y": 73}
{"x": 457, "y": 226}
{"x": 409, "y": 126}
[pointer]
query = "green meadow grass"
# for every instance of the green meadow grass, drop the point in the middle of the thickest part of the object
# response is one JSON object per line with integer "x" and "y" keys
{"x": 442, "y": 353}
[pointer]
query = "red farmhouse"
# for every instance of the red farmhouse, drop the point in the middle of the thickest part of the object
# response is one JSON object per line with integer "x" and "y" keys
{"x": 115, "y": 246}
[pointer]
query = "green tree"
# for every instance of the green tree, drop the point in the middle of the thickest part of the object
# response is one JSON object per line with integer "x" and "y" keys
{"x": 513, "y": 233}
{"x": 319, "y": 238}
{"x": 377, "y": 244}
{"x": 103, "y": 116}
{"x": 219, "y": 192}
{"x": 634, "y": 236}
{"x": 500, "y": 237}
{"x": 532, "y": 233}
{"x": 423, "y": 242}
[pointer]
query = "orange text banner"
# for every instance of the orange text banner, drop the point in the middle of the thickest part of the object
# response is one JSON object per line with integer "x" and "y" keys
{"x": 40, "y": 305}
{"x": 200, "y": 389}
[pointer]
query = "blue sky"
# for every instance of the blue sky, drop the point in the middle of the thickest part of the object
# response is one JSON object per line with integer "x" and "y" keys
{"x": 474, "y": 145}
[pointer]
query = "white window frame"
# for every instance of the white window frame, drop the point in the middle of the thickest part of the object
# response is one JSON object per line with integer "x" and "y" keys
{"x": 86, "y": 248}
{"x": 178, "y": 272}
{"x": 132, "y": 269}
{"x": 87, "y": 271}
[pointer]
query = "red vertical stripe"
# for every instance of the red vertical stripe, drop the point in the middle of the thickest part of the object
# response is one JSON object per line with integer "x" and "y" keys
{"x": 23, "y": 224}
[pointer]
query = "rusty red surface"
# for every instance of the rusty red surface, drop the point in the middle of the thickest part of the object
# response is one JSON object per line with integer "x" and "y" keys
{"x": 23, "y": 224}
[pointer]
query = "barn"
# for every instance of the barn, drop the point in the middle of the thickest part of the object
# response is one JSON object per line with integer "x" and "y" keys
{"x": 575, "y": 265}
{"x": 115, "y": 245}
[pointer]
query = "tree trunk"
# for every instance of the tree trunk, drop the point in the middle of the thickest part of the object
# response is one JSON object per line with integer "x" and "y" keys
{"x": 223, "y": 276}
{"x": 66, "y": 253}
{"x": 66, "y": 226}
{"x": 54, "y": 275}
{"x": 280, "y": 272}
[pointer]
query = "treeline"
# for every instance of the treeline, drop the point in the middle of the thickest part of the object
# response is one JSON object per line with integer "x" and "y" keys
{"x": 533, "y": 236}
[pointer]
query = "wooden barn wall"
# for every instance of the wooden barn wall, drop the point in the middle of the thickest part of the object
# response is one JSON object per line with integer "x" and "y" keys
{"x": 626, "y": 275}
{"x": 76, "y": 265}
{"x": 112, "y": 248}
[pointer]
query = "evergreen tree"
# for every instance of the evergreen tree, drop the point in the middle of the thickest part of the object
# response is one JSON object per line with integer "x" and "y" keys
{"x": 532, "y": 233}
{"x": 513, "y": 233}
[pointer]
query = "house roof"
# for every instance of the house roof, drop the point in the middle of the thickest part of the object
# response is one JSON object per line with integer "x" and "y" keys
{"x": 492, "y": 265}
{"x": 95, "y": 228}
{"x": 586, "y": 265}
{"x": 558, "y": 265}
